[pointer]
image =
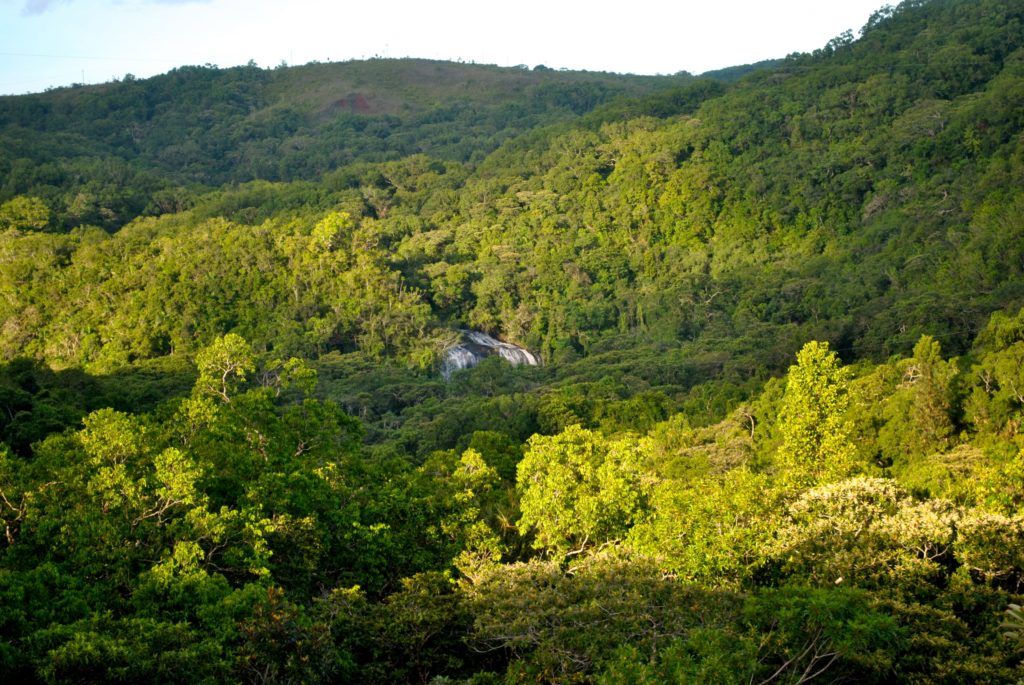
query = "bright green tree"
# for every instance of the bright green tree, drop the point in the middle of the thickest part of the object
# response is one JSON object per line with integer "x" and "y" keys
{"x": 712, "y": 530}
{"x": 223, "y": 364}
{"x": 579, "y": 490}
{"x": 329, "y": 233}
{"x": 816, "y": 444}
{"x": 24, "y": 213}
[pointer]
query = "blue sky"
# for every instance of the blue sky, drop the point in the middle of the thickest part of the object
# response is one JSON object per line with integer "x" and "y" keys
{"x": 50, "y": 43}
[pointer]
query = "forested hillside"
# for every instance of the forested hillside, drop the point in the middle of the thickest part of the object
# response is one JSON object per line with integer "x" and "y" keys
{"x": 776, "y": 435}
{"x": 102, "y": 155}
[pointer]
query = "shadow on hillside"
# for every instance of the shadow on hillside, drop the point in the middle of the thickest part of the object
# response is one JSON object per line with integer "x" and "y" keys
{"x": 36, "y": 400}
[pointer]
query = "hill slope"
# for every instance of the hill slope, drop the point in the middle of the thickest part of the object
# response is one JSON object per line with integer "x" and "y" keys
{"x": 207, "y": 126}
{"x": 859, "y": 194}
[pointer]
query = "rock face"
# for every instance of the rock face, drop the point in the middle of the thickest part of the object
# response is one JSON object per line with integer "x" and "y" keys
{"x": 474, "y": 346}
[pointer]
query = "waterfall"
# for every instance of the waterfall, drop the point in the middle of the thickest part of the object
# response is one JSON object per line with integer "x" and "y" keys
{"x": 474, "y": 346}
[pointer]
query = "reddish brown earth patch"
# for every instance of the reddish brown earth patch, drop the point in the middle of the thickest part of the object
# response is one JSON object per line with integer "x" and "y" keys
{"x": 354, "y": 102}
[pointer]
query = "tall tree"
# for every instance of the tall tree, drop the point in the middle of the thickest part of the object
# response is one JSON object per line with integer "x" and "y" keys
{"x": 931, "y": 377}
{"x": 816, "y": 444}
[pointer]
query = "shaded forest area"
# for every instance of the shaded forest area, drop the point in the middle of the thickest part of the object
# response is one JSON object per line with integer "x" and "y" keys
{"x": 776, "y": 435}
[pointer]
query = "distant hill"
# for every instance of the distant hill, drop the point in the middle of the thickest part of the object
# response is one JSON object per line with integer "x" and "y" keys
{"x": 200, "y": 125}
{"x": 401, "y": 86}
{"x": 735, "y": 73}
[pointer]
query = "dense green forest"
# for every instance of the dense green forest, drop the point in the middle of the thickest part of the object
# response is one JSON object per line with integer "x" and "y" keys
{"x": 776, "y": 435}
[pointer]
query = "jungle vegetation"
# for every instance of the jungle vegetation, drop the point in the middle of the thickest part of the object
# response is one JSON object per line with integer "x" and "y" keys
{"x": 777, "y": 435}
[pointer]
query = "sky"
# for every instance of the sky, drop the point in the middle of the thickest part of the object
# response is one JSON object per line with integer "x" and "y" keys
{"x": 53, "y": 43}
